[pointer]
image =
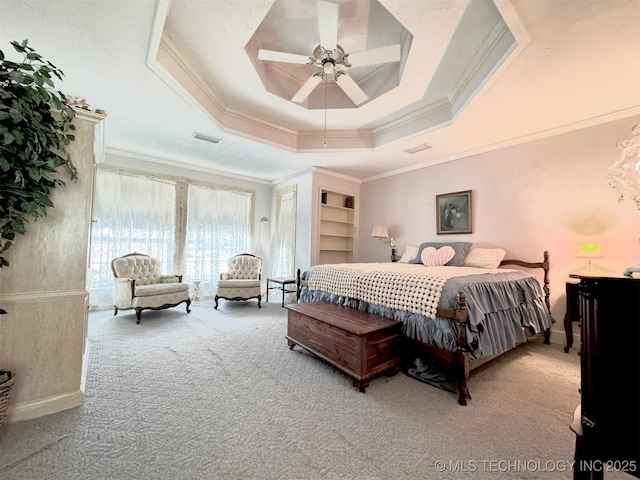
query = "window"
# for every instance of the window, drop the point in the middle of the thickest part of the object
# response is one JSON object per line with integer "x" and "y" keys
{"x": 192, "y": 229}
{"x": 131, "y": 214}
{"x": 284, "y": 248}
{"x": 218, "y": 227}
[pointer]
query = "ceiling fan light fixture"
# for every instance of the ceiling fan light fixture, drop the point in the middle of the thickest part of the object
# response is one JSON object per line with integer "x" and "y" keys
{"x": 331, "y": 58}
{"x": 328, "y": 66}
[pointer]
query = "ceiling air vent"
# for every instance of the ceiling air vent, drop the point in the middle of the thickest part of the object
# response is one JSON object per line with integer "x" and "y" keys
{"x": 417, "y": 149}
{"x": 206, "y": 138}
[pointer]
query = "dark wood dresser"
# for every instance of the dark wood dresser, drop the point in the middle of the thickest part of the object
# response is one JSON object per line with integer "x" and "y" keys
{"x": 607, "y": 423}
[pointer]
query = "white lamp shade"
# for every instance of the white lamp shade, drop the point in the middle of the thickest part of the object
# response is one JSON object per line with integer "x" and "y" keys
{"x": 380, "y": 231}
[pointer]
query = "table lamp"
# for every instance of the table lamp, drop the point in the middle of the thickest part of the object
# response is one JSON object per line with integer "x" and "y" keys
{"x": 380, "y": 232}
{"x": 589, "y": 250}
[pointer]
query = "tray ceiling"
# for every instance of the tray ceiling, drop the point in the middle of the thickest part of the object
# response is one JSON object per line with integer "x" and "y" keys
{"x": 476, "y": 75}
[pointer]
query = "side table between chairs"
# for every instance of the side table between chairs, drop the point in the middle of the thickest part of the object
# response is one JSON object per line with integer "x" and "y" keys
{"x": 196, "y": 300}
{"x": 281, "y": 284}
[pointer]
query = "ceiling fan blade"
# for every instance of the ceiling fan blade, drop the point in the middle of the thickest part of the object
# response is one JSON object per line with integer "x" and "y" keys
{"x": 308, "y": 86}
{"x": 374, "y": 56}
{"x": 328, "y": 24}
{"x": 273, "y": 56}
{"x": 351, "y": 88}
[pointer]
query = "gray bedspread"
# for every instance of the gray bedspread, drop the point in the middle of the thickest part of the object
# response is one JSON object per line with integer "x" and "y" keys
{"x": 499, "y": 306}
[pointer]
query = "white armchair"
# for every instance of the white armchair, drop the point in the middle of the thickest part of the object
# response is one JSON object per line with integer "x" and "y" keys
{"x": 139, "y": 285}
{"x": 242, "y": 279}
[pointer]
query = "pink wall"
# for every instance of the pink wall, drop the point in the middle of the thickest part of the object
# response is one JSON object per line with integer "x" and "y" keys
{"x": 549, "y": 194}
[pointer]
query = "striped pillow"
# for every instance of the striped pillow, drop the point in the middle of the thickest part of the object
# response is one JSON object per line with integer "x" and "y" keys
{"x": 436, "y": 258}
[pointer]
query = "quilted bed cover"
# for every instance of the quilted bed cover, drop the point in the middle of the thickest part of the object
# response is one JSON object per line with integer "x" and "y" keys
{"x": 500, "y": 301}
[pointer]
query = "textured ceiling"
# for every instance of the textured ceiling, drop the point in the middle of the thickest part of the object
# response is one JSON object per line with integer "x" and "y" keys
{"x": 441, "y": 73}
{"x": 478, "y": 75}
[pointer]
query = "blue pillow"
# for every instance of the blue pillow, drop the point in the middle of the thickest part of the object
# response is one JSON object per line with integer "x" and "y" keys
{"x": 461, "y": 248}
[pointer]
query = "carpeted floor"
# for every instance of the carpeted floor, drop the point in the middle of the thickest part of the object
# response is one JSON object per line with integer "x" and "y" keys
{"x": 218, "y": 395}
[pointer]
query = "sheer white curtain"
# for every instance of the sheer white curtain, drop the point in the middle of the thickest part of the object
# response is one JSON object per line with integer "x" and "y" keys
{"x": 218, "y": 227}
{"x": 131, "y": 214}
{"x": 284, "y": 238}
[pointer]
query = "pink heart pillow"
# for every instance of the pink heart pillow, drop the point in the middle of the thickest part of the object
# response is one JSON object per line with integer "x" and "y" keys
{"x": 436, "y": 258}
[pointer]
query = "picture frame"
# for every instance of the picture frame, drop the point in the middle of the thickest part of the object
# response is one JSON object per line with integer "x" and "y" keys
{"x": 453, "y": 213}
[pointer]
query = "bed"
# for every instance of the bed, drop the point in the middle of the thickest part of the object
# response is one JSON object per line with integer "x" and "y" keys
{"x": 455, "y": 315}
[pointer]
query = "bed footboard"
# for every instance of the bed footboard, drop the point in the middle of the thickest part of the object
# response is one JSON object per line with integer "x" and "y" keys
{"x": 459, "y": 362}
{"x": 544, "y": 265}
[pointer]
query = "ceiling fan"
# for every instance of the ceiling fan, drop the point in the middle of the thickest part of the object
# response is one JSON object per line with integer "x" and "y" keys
{"x": 332, "y": 59}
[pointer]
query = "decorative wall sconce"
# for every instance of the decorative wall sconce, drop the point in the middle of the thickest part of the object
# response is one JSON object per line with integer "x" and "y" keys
{"x": 624, "y": 173}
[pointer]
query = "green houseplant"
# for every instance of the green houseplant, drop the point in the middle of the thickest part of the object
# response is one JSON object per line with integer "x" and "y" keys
{"x": 35, "y": 130}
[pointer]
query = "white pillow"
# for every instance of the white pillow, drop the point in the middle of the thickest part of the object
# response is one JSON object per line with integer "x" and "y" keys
{"x": 436, "y": 258}
{"x": 410, "y": 252}
{"x": 484, "y": 257}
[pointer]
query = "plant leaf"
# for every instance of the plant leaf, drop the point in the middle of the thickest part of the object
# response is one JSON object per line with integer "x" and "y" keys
{"x": 35, "y": 129}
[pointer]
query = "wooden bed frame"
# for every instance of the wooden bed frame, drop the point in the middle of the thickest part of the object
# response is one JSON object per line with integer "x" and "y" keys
{"x": 460, "y": 362}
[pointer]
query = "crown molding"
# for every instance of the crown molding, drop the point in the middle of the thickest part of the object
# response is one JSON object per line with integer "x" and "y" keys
{"x": 492, "y": 54}
{"x": 89, "y": 115}
{"x": 180, "y": 60}
{"x": 160, "y": 13}
{"x": 609, "y": 117}
{"x": 179, "y": 163}
{"x": 311, "y": 171}
{"x": 335, "y": 174}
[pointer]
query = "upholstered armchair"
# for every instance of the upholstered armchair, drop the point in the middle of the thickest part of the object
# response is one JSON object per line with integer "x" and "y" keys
{"x": 139, "y": 285}
{"x": 241, "y": 280}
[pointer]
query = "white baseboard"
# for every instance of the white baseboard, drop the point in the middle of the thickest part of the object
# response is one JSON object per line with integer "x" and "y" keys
{"x": 85, "y": 366}
{"x": 45, "y": 406}
{"x": 558, "y": 337}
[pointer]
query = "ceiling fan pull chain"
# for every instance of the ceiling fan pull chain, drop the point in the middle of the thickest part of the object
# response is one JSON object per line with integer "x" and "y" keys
{"x": 324, "y": 144}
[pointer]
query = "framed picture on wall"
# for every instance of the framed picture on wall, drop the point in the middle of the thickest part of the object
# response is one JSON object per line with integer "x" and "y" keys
{"x": 453, "y": 212}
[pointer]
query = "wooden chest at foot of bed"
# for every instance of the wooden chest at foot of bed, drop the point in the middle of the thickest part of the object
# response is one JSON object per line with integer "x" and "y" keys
{"x": 361, "y": 344}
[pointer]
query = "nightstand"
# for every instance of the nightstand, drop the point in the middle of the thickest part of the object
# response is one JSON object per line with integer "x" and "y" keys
{"x": 573, "y": 311}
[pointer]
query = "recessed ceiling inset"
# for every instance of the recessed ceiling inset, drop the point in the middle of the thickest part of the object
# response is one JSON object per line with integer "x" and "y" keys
{"x": 331, "y": 59}
{"x": 357, "y": 49}
{"x": 449, "y": 49}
